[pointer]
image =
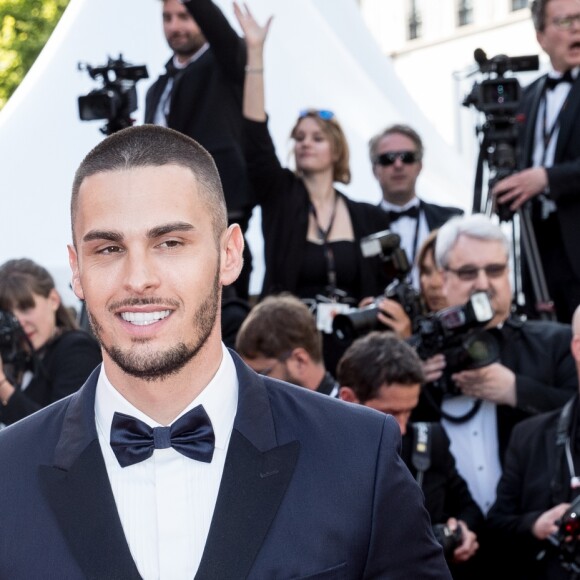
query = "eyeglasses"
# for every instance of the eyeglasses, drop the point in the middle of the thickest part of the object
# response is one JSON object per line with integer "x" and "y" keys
{"x": 470, "y": 273}
{"x": 566, "y": 22}
{"x": 323, "y": 114}
{"x": 406, "y": 157}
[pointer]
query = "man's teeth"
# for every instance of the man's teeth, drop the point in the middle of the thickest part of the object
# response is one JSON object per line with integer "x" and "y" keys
{"x": 144, "y": 318}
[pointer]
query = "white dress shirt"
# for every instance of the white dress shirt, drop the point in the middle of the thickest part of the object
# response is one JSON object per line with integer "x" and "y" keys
{"x": 409, "y": 228}
{"x": 474, "y": 444}
{"x": 166, "y": 502}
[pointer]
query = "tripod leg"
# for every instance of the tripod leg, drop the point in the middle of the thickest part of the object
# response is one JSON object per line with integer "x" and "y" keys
{"x": 543, "y": 305}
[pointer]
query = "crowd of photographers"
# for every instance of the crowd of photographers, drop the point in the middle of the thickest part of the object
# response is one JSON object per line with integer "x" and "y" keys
{"x": 406, "y": 306}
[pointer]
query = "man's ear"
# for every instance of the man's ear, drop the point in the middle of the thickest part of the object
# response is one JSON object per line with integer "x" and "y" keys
{"x": 348, "y": 395}
{"x": 73, "y": 260}
{"x": 575, "y": 347}
{"x": 232, "y": 249}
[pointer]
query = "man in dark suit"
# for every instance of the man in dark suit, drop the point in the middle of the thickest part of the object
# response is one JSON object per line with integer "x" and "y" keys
{"x": 175, "y": 460}
{"x": 383, "y": 372}
{"x": 534, "y": 372}
{"x": 396, "y": 154}
{"x": 201, "y": 96}
{"x": 538, "y": 483}
{"x": 550, "y": 156}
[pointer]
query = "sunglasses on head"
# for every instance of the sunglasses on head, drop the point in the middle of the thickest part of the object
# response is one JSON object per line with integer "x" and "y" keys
{"x": 406, "y": 157}
{"x": 470, "y": 273}
{"x": 323, "y": 114}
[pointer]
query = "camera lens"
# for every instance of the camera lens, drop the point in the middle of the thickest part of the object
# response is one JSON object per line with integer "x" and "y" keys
{"x": 353, "y": 324}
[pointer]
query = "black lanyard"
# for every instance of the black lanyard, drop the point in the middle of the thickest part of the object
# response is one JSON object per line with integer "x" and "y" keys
{"x": 323, "y": 236}
{"x": 548, "y": 134}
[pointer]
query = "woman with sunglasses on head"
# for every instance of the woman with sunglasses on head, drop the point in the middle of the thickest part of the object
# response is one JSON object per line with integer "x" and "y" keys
{"x": 311, "y": 230}
{"x": 44, "y": 356}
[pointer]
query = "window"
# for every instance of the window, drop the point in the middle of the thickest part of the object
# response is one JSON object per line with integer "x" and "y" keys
{"x": 414, "y": 30}
{"x": 519, "y": 4}
{"x": 465, "y": 12}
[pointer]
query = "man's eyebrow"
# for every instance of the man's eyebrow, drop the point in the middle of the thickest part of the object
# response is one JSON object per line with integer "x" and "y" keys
{"x": 110, "y": 236}
{"x": 168, "y": 229}
{"x": 156, "y": 232}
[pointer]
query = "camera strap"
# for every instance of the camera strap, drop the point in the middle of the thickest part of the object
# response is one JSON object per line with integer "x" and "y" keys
{"x": 421, "y": 450}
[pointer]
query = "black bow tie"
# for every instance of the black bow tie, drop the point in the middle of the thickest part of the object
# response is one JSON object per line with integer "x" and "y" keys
{"x": 133, "y": 441}
{"x": 412, "y": 212}
{"x": 552, "y": 82}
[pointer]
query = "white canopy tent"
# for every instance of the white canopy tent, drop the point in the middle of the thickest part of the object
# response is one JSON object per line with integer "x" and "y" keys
{"x": 319, "y": 54}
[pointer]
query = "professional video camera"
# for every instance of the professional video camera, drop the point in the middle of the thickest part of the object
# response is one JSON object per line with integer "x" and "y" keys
{"x": 498, "y": 98}
{"x": 360, "y": 321}
{"x": 567, "y": 538}
{"x": 456, "y": 332}
{"x": 117, "y": 98}
{"x": 12, "y": 340}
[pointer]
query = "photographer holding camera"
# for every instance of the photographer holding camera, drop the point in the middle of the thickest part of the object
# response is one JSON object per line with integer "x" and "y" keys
{"x": 535, "y": 371}
{"x": 534, "y": 493}
{"x": 43, "y": 355}
{"x": 383, "y": 372}
{"x": 549, "y": 143}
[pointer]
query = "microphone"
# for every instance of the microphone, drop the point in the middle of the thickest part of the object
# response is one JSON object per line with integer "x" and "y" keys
{"x": 480, "y": 56}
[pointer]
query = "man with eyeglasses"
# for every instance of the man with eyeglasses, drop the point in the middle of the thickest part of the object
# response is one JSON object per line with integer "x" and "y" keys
{"x": 535, "y": 371}
{"x": 279, "y": 339}
{"x": 396, "y": 154}
{"x": 549, "y": 154}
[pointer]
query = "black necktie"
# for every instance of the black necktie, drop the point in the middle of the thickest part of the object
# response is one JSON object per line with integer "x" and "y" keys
{"x": 133, "y": 440}
{"x": 412, "y": 212}
{"x": 552, "y": 82}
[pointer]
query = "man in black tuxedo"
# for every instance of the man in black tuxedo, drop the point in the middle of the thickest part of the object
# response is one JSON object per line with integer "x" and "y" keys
{"x": 534, "y": 372}
{"x": 200, "y": 95}
{"x": 175, "y": 460}
{"x": 538, "y": 483}
{"x": 396, "y": 154}
{"x": 383, "y": 372}
{"x": 549, "y": 144}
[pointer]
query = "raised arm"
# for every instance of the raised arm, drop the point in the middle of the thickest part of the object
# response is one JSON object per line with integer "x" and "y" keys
{"x": 255, "y": 35}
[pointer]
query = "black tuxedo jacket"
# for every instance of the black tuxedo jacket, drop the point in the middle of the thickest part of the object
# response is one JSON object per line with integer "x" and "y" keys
{"x": 312, "y": 488}
{"x": 437, "y": 215}
{"x": 524, "y": 492}
{"x": 564, "y": 175}
{"x": 206, "y": 102}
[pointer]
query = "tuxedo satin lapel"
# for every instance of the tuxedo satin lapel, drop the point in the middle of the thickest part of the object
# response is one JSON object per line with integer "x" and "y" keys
{"x": 78, "y": 490}
{"x": 252, "y": 487}
{"x": 531, "y": 116}
{"x": 256, "y": 474}
{"x": 566, "y": 120}
{"x": 84, "y": 506}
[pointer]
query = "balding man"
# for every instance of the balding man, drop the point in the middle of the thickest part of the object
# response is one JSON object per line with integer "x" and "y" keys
{"x": 539, "y": 481}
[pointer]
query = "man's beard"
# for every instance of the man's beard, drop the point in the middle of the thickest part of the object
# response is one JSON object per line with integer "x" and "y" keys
{"x": 152, "y": 366}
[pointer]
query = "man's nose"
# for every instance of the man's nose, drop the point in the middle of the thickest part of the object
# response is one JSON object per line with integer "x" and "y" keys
{"x": 140, "y": 274}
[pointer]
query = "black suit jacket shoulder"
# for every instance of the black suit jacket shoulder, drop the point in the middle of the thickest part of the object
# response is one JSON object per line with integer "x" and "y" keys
{"x": 437, "y": 215}
{"x": 66, "y": 362}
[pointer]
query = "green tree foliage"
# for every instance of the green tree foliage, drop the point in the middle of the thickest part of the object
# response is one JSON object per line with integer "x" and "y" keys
{"x": 25, "y": 26}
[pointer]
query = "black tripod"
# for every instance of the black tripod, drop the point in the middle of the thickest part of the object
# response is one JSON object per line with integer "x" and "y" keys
{"x": 501, "y": 162}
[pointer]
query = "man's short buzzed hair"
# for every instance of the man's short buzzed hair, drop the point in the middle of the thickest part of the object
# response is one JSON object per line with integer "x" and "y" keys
{"x": 155, "y": 146}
